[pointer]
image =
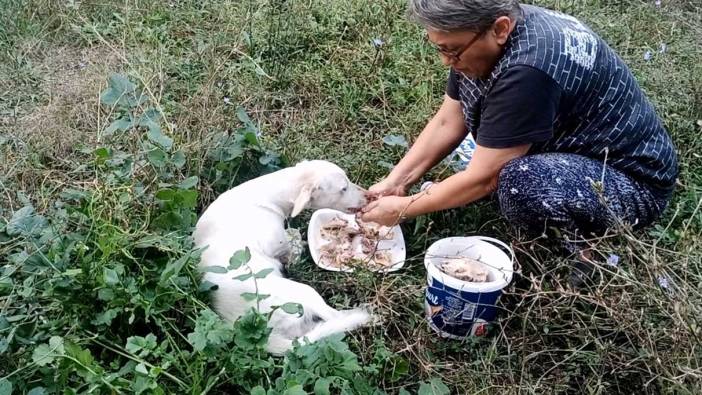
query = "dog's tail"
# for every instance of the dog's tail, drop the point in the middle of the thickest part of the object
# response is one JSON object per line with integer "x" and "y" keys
{"x": 337, "y": 322}
{"x": 344, "y": 321}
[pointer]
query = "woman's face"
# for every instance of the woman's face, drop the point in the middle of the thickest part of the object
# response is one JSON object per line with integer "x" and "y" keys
{"x": 472, "y": 53}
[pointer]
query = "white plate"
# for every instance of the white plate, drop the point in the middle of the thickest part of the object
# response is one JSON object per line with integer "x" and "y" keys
{"x": 396, "y": 245}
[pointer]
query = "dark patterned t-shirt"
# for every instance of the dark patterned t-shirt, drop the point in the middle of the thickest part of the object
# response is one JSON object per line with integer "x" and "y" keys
{"x": 560, "y": 87}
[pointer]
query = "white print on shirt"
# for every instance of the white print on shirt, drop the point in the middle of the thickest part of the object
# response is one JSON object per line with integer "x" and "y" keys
{"x": 580, "y": 47}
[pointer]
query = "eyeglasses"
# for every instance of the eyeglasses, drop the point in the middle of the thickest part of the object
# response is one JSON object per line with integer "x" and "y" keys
{"x": 455, "y": 56}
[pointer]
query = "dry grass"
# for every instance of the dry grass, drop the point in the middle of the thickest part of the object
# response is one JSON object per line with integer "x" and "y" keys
{"x": 72, "y": 79}
{"x": 42, "y": 138}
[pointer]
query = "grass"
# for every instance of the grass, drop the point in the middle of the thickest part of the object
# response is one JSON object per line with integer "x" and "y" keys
{"x": 98, "y": 291}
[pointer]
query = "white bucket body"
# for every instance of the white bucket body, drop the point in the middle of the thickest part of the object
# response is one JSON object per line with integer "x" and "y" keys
{"x": 456, "y": 308}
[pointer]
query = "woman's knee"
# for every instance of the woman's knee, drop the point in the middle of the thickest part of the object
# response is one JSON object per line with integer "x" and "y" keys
{"x": 532, "y": 191}
{"x": 511, "y": 180}
{"x": 516, "y": 187}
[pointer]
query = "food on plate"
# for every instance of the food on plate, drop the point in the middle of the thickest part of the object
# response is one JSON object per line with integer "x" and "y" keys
{"x": 466, "y": 269}
{"x": 348, "y": 242}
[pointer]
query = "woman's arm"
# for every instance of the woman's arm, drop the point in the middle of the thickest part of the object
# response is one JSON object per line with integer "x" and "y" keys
{"x": 476, "y": 181}
{"x": 440, "y": 136}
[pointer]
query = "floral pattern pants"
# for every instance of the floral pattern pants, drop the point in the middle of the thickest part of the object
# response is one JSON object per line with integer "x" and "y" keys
{"x": 572, "y": 193}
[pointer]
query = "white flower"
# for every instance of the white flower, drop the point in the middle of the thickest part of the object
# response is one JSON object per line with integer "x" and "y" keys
{"x": 647, "y": 55}
{"x": 613, "y": 260}
{"x": 377, "y": 42}
{"x": 227, "y": 101}
{"x": 664, "y": 282}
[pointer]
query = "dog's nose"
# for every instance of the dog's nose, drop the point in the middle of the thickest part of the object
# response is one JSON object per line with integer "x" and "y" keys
{"x": 365, "y": 199}
{"x": 370, "y": 197}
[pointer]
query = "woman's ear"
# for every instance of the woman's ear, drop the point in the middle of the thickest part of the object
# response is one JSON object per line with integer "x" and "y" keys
{"x": 501, "y": 29}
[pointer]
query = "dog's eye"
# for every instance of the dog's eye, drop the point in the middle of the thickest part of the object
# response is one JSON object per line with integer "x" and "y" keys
{"x": 344, "y": 189}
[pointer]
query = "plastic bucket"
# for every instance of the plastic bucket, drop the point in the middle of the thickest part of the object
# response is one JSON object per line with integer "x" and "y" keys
{"x": 455, "y": 308}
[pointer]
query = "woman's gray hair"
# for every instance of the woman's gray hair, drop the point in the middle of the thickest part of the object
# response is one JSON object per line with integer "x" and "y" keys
{"x": 461, "y": 15}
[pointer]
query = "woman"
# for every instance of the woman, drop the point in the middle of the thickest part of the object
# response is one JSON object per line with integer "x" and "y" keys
{"x": 564, "y": 134}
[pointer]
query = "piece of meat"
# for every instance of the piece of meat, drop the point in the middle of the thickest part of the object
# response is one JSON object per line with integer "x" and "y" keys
{"x": 383, "y": 258}
{"x": 343, "y": 258}
{"x": 466, "y": 269}
{"x": 336, "y": 223}
{"x": 337, "y": 228}
{"x": 348, "y": 243}
{"x": 367, "y": 245}
{"x": 375, "y": 231}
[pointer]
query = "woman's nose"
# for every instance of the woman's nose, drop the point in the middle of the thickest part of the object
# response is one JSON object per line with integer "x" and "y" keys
{"x": 445, "y": 60}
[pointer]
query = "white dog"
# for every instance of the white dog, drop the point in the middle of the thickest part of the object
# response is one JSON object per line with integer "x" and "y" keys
{"x": 252, "y": 215}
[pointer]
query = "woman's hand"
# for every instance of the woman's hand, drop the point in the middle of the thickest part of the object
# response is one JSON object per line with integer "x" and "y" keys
{"x": 386, "y": 210}
{"x": 386, "y": 187}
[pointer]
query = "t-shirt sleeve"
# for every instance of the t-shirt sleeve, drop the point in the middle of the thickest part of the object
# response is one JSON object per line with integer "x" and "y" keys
{"x": 452, "y": 85}
{"x": 520, "y": 109}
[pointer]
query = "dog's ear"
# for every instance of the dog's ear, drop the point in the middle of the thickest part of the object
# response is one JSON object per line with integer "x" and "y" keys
{"x": 302, "y": 199}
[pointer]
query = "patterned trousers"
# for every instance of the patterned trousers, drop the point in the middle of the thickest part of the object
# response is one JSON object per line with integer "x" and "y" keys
{"x": 572, "y": 193}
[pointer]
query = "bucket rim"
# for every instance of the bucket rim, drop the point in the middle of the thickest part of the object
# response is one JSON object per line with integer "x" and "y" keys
{"x": 498, "y": 284}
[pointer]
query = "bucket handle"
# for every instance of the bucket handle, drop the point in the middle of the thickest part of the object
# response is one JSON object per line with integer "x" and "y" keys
{"x": 500, "y": 244}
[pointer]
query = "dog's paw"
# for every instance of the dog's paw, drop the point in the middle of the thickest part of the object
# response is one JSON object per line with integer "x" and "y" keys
{"x": 373, "y": 317}
{"x": 375, "y": 320}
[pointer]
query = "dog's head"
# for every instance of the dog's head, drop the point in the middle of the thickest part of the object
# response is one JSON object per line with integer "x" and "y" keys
{"x": 325, "y": 185}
